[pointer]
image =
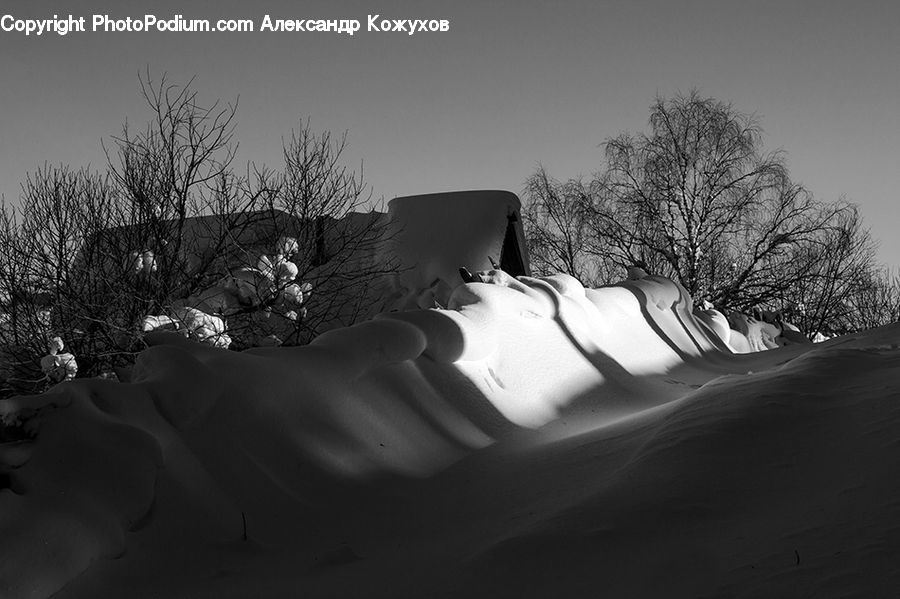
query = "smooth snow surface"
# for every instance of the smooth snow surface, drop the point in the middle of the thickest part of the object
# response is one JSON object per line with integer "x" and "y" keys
{"x": 535, "y": 439}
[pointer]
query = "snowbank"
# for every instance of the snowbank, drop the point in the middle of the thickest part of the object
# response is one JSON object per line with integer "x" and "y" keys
{"x": 533, "y": 439}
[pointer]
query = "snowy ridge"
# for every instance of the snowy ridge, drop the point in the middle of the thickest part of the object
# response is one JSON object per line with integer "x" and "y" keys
{"x": 533, "y": 439}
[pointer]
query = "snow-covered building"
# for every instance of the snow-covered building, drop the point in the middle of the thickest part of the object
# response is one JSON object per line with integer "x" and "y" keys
{"x": 431, "y": 236}
{"x": 358, "y": 265}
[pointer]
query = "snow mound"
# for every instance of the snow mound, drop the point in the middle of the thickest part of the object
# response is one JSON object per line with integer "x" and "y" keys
{"x": 534, "y": 427}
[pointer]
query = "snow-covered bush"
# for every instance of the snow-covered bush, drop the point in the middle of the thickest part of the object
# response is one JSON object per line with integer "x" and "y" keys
{"x": 58, "y": 366}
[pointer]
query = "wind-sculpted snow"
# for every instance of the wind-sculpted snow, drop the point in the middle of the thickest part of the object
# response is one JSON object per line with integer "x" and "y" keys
{"x": 278, "y": 446}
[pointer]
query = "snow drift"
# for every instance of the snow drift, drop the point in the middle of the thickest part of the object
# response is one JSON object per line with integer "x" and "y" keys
{"x": 533, "y": 439}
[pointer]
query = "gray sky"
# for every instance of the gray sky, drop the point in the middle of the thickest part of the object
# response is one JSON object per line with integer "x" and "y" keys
{"x": 512, "y": 84}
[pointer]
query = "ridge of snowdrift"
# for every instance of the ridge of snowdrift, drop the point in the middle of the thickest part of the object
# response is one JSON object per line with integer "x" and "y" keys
{"x": 206, "y": 446}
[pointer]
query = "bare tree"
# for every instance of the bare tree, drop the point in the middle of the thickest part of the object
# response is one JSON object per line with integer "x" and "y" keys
{"x": 40, "y": 245}
{"x": 823, "y": 273}
{"x": 560, "y": 230}
{"x": 874, "y": 300}
{"x": 699, "y": 200}
{"x": 172, "y": 227}
{"x": 337, "y": 227}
